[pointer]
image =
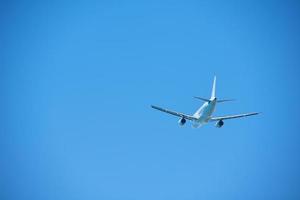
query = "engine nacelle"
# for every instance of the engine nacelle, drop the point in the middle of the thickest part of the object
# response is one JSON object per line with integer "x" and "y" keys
{"x": 219, "y": 124}
{"x": 182, "y": 121}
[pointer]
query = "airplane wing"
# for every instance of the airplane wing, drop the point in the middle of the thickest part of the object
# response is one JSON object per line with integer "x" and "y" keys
{"x": 189, "y": 117}
{"x": 232, "y": 116}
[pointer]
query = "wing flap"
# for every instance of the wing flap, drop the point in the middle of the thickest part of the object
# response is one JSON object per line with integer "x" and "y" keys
{"x": 178, "y": 114}
{"x": 233, "y": 116}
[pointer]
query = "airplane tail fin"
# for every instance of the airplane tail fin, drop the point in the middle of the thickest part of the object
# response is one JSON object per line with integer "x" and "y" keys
{"x": 213, "y": 92}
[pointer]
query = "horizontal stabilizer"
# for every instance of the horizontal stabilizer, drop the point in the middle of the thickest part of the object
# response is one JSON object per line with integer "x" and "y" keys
{"x": 224, "y": 100}
{"x": 203, "y": 99}
{"x": 218, "y": 101}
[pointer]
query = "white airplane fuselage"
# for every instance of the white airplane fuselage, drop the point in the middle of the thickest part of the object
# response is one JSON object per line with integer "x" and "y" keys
{"x": 204, "y": 113}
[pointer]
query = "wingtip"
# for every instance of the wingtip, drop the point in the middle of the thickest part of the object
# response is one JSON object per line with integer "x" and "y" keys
{"x": 154, "y": 107}
{"x": 256, "y": 113}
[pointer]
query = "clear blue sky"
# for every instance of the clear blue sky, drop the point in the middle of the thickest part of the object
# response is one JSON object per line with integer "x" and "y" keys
{"x": 78, "y": 78}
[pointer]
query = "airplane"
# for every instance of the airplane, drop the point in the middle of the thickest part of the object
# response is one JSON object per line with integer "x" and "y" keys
{"x": 204, "y": 114}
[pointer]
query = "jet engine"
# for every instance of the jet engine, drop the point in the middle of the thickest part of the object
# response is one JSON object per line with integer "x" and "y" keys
{"x": 219, "y": 124}
{"x": 182, "y": 121}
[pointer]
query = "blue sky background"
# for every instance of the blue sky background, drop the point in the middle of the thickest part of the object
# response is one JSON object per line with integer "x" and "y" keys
{"x": 78, "y": 78}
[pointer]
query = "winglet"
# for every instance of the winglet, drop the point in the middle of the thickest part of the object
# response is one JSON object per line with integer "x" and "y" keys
{"x": 213, "y": 92}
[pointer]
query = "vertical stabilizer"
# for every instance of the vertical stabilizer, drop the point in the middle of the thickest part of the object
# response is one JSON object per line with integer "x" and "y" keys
{"x": 213, "y": 92}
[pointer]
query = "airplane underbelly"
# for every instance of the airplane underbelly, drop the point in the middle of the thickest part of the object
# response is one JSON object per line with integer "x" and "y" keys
{"x": 198, "y": 123}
